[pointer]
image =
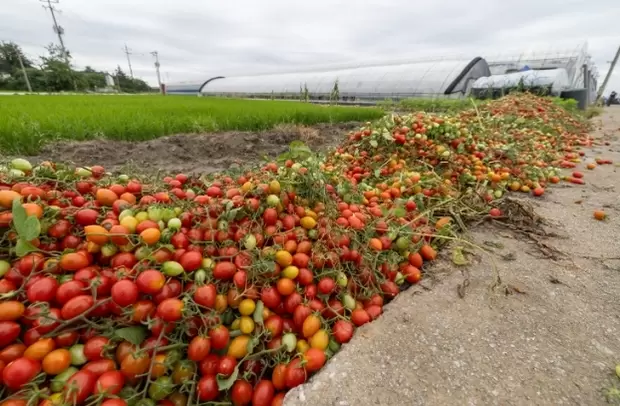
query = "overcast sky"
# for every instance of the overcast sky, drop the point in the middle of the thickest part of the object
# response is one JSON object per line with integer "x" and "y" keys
{"x": 197, "y": 39}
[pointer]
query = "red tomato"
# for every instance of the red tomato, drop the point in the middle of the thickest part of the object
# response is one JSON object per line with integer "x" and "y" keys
{"x": 100, "y": 366}
{"x": 110, "y": 383}
{"x": 219, "y": 337}
{"x": 343, "y": 331}
{"x": 198, "y": 348}
{"x": 263, "y": 393}
{"x": 9, "y": 331}
{"x": 205, "y": 295}
{"x": 69, "y": 290}
{"x": 79, "y": 386}
{"x": 360, "y": 317}
{"x": 278, "y": 377}
{"x": 315, "y": 359}
{"x": 209, "y": 365}
{"x": 114, "y": 402}
{"x": 124, "y": 293}
{"x": 207, "y": 388}
{"x": 241, "y": 393}
{"x": 150, "y": 281}
{"x": 77, "y": 306}
{"x": 224, "y": 270}
{"x": 43, "y": 290}
{"x": 295, "y": 373}
{"x": 170, "y": 310}
{"x": 275, "y": 325}
{"x": 227, "y": 365}
{"x": 86, "y": 217}
{"x": 270, "y": 297}
{"x": 94, "y": 348}
{"x": 20, "y": 372}
{"x": 191, "y": 261}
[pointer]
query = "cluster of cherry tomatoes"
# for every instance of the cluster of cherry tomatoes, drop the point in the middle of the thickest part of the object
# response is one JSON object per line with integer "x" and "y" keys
{"x": 125, "y": 291}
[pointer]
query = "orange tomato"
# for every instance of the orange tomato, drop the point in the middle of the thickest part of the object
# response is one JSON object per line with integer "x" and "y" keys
{"x": 106, "y": 197}
{"x": 150, "y": 236}
{"x": 40, "y": 349}
{"x": 96, "y": 234}
{"x": 33, "y": 209}
{"x": 56, "y": 361}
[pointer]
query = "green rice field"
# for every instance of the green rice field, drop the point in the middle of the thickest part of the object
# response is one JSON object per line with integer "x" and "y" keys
{"x": 29, "y": 121}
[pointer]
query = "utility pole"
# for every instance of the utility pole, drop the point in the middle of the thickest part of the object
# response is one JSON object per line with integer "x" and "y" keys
{"x": 608, "y": 76}
{"x": 21, "y": 64}
{"x": 60, "y": 32}
{"x": 57, "y": 28}
{"x": 128, "y": 52}
{"x": 156, "y": 55}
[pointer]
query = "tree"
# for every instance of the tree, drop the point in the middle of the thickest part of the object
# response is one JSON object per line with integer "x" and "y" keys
{"x": 57, "y": 67}
{"x": 9, "y": 57}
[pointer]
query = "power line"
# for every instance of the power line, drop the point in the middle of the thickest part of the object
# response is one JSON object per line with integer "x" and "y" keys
{"x": 128, "y": 52}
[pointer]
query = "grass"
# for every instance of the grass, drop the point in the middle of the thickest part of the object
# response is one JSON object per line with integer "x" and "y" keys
{"x": 28, "y": 122}
{"x": 428, "y": 105}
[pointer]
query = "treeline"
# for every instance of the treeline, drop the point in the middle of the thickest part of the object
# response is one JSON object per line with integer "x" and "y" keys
{"x": 54, "y": 73}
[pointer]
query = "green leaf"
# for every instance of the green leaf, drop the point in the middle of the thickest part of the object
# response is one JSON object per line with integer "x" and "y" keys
{"x": 297, "y": 144}
{"x": 374, "y": 143}
{"x": 19, "y": 217}
{"x": 23, "y": 247}
{"x": 252, "y": 344}
{"x": 225, "y": 384}
{"x": 134, "y": 335}
{"x": 377, "y": 173}
{"x": 258, "y": 312}
{"x": 458, "y": 257}
{"x": 32, "y": 228}
{"x": 400, "y": 212}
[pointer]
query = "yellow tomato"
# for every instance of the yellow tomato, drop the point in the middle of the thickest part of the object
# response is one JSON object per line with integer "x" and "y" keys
{"x": 247, "y": 307}
{"x": 238, "y": 347}
{"x": 302, "y": 346}
{"x": 130, "y": 222}
{"x": 284, "y": 258}
{"x": 320, "y": 340}
{"x": 290, "y": 272}
{"x": 308, "y": 223}
{"x": 221, "y": 303}
{"x": 246, "y": 325}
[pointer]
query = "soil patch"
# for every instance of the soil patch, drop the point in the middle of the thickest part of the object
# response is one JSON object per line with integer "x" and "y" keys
{"x": 194, "y": 153}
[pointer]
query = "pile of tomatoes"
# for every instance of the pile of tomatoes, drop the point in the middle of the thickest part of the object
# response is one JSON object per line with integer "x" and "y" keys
{"x": 118, "y": 290}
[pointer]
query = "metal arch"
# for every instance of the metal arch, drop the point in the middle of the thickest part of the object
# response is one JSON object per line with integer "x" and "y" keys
{"x": 207, "y": 82}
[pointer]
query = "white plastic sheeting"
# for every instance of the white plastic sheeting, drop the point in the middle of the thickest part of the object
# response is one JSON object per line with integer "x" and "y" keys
{"x": 420, "y": 79}
{"x": 556, "y": 79}
{"x": 570, "y": 58}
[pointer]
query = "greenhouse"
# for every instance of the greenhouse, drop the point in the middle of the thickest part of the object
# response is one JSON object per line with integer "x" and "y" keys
{"x": 445, "y": 78}
{"x": 187, "y": 88}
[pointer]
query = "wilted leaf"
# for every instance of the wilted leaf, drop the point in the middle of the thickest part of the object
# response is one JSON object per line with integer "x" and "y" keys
{"x": 227, "y": 383}
{"x": 458, "y": 257}
{"x": 374, "y": 143}
{"x": 23, "y": 247}
{"x": 134, "y": 335}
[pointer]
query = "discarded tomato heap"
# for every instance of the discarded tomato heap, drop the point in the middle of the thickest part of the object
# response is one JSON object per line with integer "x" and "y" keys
{"x": 124, "y": 291}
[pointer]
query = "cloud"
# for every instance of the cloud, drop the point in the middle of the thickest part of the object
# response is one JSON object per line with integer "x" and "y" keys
{"x": 198, "y": 39}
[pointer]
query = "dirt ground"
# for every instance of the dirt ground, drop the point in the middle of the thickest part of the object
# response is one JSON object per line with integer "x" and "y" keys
{"x": 194, "y": 153}
{"x": 538, "y": 322}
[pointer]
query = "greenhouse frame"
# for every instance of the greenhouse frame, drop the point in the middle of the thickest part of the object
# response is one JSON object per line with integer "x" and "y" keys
{"x": 567, "y": 72}
{"x": 421, "y": 79}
